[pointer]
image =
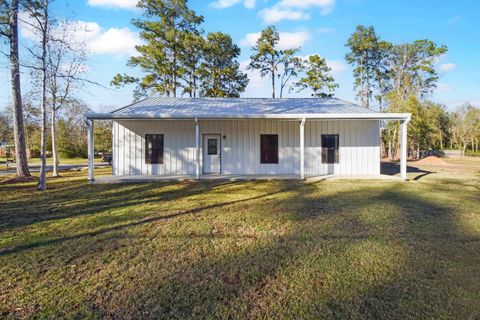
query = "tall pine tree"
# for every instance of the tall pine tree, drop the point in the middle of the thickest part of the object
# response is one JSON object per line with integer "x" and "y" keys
{"x": 220, "y": 71}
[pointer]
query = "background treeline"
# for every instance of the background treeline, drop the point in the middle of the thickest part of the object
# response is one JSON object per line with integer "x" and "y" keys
{"x": 71, "y": 130}
{"x": 401, "y": 78}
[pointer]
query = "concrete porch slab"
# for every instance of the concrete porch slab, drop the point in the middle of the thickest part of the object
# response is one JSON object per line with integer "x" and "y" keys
{"x": 231, "y": 177}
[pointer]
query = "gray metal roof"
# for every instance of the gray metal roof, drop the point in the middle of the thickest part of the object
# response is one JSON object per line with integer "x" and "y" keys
{"x": 240, "y": 106}
{"x": 228, "y": 108}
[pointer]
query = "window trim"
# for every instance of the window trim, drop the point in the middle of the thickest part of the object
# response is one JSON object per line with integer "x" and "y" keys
{"x": 159, "y": 159}
{"x": 335, "y": 149}
{"x": 275, "y": 150}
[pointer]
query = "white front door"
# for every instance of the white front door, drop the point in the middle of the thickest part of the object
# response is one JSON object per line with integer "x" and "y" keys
{"x": 211, "y": 153}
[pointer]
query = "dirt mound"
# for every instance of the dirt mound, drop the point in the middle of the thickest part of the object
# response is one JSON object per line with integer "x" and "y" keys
{"x": 432, "y": 161}
{"x": 18, "y": 180}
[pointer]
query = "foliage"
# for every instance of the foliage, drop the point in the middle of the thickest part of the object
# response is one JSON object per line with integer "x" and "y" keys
{"x": 220, "y": 71}
{"x": 291, "y": 65}
{"x": 6, "y": 128}
{"x": 465, "y": 127}
{"x": 167, "y": 30}
{"x": 366, "y": 56}
{"x": 427, "y": 130}
{"x": 193, "y": 52}
{"x": 102, "y": 132}
{"x": 412, "y": 67}
{"x": 317, "y": 77}
{"x": 72, "y": 131}
{"x": 266, "y": 56}
{"x": 381, "y": 67}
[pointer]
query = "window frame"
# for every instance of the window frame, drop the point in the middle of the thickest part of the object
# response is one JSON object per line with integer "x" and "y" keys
{"x": 326, "y": 155}
{"x": 271, "y": 151}
{"x": 156, "y": 154}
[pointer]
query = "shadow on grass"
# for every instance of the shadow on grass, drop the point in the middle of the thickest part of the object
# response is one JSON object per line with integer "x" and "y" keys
{"x": 261, "y": 282}
{"x": 65, "y": 202}
{"x": 367, "y": 252}
{"x": 393, "y": 168}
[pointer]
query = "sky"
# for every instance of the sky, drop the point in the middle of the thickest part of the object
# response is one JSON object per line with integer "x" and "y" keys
{"x": 317, "y": 26}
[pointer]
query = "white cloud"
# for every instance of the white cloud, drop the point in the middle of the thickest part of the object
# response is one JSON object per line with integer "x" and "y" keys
{"x": 123, "y": 4}
{"x": 114, "y": 41}
{"x": 222, "y": 4}
{"x": 337, "y": 66}
{"x": 288, "y": 40}
{"x": 276, "y": 14}
{"x": 445, "y": 67}
{"x": 443, "y": 88}
{"x": 294, "y": 9}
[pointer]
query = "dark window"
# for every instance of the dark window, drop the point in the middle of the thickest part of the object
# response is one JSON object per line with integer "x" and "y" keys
{"x": 212, "y": 146}
{"x": 329, "y": 148}
{"x": 154, "y": 148}
{"x": 269, "y": 148}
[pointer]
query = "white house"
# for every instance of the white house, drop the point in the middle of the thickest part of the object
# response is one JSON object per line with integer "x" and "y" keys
{"x": 205, "y": 137}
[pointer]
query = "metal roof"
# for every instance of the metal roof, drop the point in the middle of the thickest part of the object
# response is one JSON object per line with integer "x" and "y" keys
{"x": 226, "y": 108}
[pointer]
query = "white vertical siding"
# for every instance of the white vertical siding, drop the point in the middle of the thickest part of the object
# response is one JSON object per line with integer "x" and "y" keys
{"x": 359, "y": 147}
{"x": 359, "y": 152}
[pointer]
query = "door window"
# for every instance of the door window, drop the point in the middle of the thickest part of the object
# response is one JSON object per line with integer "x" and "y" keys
{"x": 212, "y": 146}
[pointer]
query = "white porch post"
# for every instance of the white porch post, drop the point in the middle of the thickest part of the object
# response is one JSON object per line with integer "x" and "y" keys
{"x": 91, "y": 152}
{"x": 403, "y": 149}
{"x": 302, "y": 149}
{"x": 197, "y": 149}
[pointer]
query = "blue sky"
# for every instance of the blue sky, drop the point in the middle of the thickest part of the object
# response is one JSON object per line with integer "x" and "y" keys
{"x": 319, "y": 26}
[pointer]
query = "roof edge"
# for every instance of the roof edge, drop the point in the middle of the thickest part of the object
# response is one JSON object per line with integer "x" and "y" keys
{"x": 319, "y": 116}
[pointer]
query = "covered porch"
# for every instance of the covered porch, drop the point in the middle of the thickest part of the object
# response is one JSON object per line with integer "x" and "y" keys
{"x": 198, "y": 121}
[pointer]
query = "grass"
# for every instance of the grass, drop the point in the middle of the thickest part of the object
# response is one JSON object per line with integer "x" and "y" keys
{"x": 273, "y": 249}
{"x": 36, "y": 161}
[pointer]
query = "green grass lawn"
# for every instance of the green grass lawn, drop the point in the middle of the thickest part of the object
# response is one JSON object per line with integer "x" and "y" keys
{"x": 278, "y": 249}
{"x": 36, "y": 161}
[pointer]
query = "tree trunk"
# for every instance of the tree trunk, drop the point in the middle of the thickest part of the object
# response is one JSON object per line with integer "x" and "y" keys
{"x": 18, "y": 127}
{"x": 390, "y": 153}
{"x": 273, "y": 81}
{"x": 42, "y": 185}
{"x": 54, "y": 142}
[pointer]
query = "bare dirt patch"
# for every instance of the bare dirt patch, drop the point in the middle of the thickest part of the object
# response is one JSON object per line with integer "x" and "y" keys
{"x": 432, "y": 161}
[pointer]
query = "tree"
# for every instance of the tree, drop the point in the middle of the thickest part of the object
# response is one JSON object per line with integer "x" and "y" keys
{"x": 193, "y": 49}
{"x": 9, "y": 30}
{"x": 266, "y": 56}
{"x": 38, "y": 11}
{"x": 291, "y": 65}
{"x": 220, "y": 71}
{"x": 412, "y": 67}
{"x": 6, "y": 130}
{"x": 317, "y": 77}
{"x": 367, "y": 56}
{"x": 72, "y": 137}
{"x": 465, "y": 126}
{"x": 172, "y": 22}
{"x": 66, "y": 60}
